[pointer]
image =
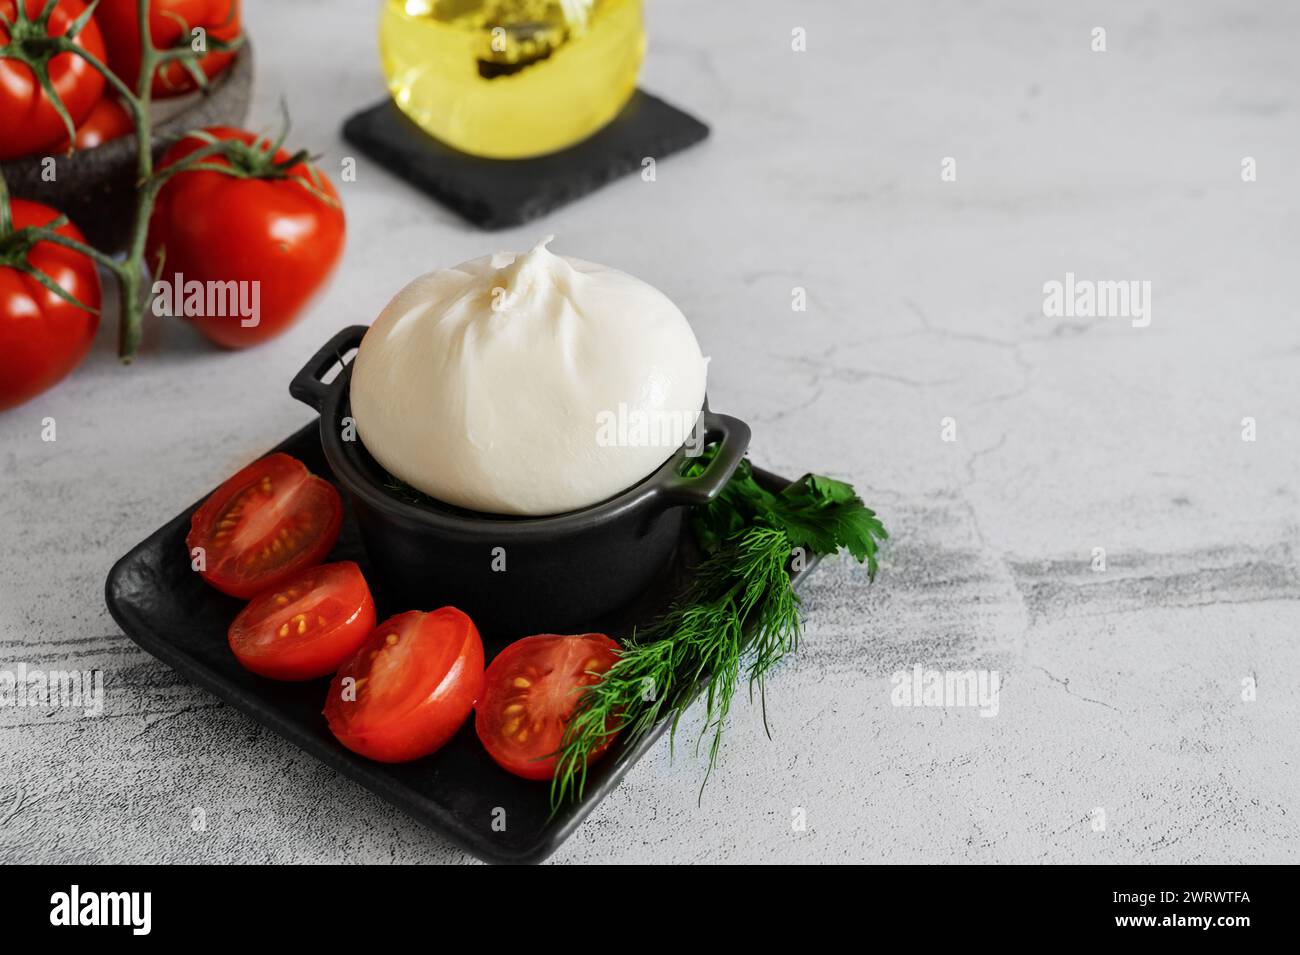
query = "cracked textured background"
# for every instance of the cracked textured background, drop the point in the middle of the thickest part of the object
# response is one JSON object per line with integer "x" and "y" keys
{"x": 1121, "y": 690}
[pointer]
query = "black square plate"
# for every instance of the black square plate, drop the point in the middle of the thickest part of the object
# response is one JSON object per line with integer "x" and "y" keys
{"x": 172, "y": 614}
{"x": 499, "y": 193}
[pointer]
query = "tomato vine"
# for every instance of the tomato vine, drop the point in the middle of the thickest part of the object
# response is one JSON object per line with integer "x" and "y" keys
{"x": 31, "y": 43}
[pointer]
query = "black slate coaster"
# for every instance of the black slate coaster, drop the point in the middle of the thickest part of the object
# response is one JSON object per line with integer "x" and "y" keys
{"x": 499, "y": 193}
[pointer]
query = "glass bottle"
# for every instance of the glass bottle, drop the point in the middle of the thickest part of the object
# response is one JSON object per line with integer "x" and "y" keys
{"x": 508, "y": 79}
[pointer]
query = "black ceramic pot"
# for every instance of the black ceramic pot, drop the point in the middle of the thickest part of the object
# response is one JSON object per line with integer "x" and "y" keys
{"x": 560, "y": 571}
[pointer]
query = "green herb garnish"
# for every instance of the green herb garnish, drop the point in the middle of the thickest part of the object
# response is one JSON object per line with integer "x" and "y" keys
{"x": 739, "y": 611}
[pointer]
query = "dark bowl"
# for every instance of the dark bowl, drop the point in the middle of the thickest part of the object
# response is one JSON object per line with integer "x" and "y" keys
{"x": 558, "y": 570}
{"x": 95, "y": 188}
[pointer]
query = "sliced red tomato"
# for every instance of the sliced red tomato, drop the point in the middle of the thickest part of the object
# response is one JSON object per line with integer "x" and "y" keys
{"x": 529, "y": 695}
{"x": 27, "y": 115}
{"x": 307, "y": 626}
{"x": 170, "y": 22}
{"x": 410, "y": 686}
{"x": 271, "y": 520}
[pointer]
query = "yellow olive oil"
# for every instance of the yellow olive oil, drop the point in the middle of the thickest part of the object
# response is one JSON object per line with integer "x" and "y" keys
{"x": 509, "y": 79}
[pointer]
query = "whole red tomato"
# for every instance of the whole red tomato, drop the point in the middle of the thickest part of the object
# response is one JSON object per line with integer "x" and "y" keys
{"x": 27, "y": 116}
{"x": 108, "y": 120}
{"x": 42, "y": 336}
{"x": 170, "y": 22}
{"x": 282, "y": 232}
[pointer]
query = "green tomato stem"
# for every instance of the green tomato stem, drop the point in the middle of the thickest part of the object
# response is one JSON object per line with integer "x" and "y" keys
{"x": 6, "y": 213}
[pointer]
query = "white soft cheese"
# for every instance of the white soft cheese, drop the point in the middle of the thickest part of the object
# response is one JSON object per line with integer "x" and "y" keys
{"x": 526, "y": 384}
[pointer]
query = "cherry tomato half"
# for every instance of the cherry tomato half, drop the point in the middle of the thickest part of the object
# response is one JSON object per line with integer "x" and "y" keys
{"x": 271, "y": 520}
{"x": 42, "y": 336}
{"x": 27, "y": 116}
{"x": 278, "y": 233}
{"x": 410, "y": 686}
{"x": 170, "y": 22}
{"x": 529, "y": 695}
{"x": 307, "y": 626}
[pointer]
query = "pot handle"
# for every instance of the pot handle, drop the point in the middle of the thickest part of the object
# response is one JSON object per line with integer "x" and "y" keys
{"x": 307, "y": 386}
{"x": 732, "y": 437}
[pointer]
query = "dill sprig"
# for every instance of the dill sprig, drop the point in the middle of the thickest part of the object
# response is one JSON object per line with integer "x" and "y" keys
{"x": 739, "y": 612}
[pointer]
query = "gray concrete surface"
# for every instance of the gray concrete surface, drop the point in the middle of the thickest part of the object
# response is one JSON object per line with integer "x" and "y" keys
{"x": 1122, "y": 690}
